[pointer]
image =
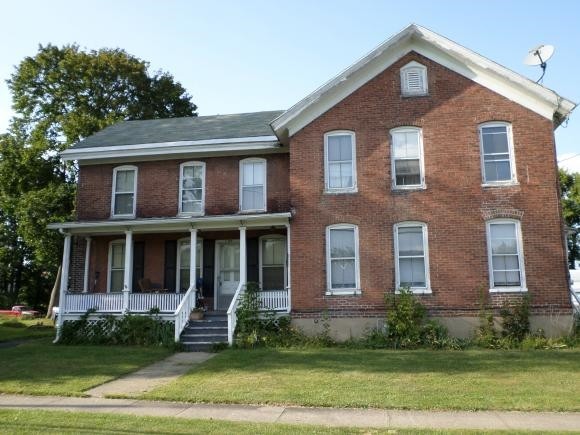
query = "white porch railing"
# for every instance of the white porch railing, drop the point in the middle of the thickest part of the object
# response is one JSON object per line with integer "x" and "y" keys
{"x": 181, "y": 314}
{"x": 232, "y": 317}
{"x": 121, "y": 302}
{"x": 274, "y": 300}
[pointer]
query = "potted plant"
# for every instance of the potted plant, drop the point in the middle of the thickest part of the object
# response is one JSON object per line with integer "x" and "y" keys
{"x": 196, "y": 314}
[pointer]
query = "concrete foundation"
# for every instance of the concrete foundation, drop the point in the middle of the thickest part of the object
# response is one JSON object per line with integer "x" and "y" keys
{"x": 344, "y": 328}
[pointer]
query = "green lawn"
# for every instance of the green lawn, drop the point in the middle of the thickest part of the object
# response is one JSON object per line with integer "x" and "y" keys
{"x": 41, "y": 368}
{"x": 14, "y": 329}
{"x": 61, "y": 422}
{"x": 420, "y": 379}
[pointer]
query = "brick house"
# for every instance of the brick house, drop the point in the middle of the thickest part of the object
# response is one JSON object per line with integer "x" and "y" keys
{"x": 423, "y": 165}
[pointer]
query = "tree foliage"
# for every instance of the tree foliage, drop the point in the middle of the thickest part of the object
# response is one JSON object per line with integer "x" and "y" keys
{"x": 60, "y": 96}
{"x": 570, "y": 196}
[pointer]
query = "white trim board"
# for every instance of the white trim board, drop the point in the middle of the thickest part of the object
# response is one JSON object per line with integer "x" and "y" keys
{"x": 437, "y": 48}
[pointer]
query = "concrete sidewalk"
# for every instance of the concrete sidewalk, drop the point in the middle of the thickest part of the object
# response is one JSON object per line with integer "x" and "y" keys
{"x": 565, "y": 421}
{"x": 152, "y": 376}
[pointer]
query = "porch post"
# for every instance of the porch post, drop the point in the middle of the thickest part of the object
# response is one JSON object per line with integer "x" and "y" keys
{"x": 127, "y": 278}
{"x": 288, "y": 268}
{"x": 87, "y": 264}
{"x": 243, "y": 263}
{"x": 64, "y": 278}
{"x": 192, "y": 257}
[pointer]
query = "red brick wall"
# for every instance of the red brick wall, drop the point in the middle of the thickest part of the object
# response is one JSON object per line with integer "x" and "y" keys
{"x": 454, "y": 205}
{"x": 158, "y": 187}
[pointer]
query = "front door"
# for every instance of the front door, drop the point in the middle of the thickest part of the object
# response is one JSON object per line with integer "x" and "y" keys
{"x": 227, "y": 272}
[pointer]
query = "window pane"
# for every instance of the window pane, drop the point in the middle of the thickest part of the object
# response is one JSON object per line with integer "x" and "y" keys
{"x": 406, "y": 145}
{"x": 503, "y": 279}
{"x": 505, "y": 262}
{"x": 273, "y": 252}
{"x": 343, "y": 274}
{"x": 253, "y": 198}
{"x": 248, "y": 175}
{"x": 410, "y": 241}
{"x": 342, "y": 243}
{"x": 412, "y": 272}
{"x": 117, "y": 280}
{"x": 123, "y": 203}
{"x": 191, "y": 207}
{"x": 407, "y": 172}
{"x": 504, "y": 246}
{"x": 496, "y": 141}
{"x": 125, "y": 181}
{"x": 503, "y": 231}
{"x": 273, "y": 278}
{"x": 339, "y": 147}
{"x": 183, "y": 279}
{"x": 334, "y": 177}
{"x": 185, "y": 256}
{"x": 497, "y": 171}
{"x": 118, "y": 256}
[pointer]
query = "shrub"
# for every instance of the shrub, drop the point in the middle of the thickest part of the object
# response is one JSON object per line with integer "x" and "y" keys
{"x": 14, "y": 324}
{"x": 516, "y": 319}
{"x": 405, "y": 319}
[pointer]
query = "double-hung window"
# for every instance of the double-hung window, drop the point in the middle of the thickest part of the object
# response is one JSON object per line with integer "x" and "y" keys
{"x": 192, "y": 188}
{"x": 116, "y": 266}
{"x": 124, "y": 191}
{"x": 497, "y": 153}
{"x": 411, "y": 257}
{"x": 505, "y": 255}
{"x": 273, "y": 262}
{"x": 407, "y": 165}
{"x": 252, "y": 185}
{"x": 340, "y": 162}
{"x": 342, "y": 259}
{"x": 184, "y": 260}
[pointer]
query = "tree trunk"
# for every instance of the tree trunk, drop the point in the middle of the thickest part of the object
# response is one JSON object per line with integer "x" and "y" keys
{"x": 53, "y": 294}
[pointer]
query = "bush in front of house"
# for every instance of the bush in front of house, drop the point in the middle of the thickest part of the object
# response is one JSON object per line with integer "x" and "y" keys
{"x": 129, "y": 330}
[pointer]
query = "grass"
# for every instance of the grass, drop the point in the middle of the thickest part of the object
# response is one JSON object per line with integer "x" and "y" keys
{"x": 420, "y": 379}
{"x": 38, "y": 367}
{"x": 62, "y": 422}
{"x": 12, "y": 328}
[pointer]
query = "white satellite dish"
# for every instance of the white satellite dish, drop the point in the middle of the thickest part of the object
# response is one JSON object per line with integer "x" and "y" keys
{"x": 539, "y": 56}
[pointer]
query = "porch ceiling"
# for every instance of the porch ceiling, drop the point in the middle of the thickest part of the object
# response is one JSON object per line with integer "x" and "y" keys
{"x": 176, "y": 224}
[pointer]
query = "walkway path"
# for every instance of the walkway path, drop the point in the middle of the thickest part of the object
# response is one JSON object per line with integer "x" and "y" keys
{"x": 153, "y": 376}
{"x": 566, "y": 421}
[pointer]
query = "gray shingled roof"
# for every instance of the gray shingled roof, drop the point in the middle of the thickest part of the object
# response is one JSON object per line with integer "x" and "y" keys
{"x": 183, "y": 129}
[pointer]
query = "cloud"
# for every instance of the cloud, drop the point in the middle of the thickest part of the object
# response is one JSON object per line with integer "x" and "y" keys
{"x": 569, "y": 161}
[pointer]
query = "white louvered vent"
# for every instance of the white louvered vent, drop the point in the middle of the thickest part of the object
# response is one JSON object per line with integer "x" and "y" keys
{"x": 413, "y": 79}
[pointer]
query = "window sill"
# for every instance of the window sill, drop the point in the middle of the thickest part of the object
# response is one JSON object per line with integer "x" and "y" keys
{"x": 252, "y": 211}
{"x": 508, "y": 290}
{"x": 417, "y": 291}
{"x": 500, "y": 184}
{"x": 344, "y": 292}
{"x": 190, "y": 214}
{"x": 123, "y": 216}
{"x": 340, "y": 191}
{"x": 408, "y": 188}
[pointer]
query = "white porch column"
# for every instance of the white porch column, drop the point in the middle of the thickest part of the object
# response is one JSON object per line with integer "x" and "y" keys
{"x": 192, "y": 257}
{"x": 87, "y": 264}
{"x": 288, "y": 268}
{"x": 64, "y": 278}
{"x": 243, "y": 263}
{"x": 128, "y": 276}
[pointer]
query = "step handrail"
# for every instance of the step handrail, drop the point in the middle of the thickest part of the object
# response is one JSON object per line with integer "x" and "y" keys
{"x": 181, "y": 314}
{"x": 232, "y": 317}
{"x": 575, "y": 296}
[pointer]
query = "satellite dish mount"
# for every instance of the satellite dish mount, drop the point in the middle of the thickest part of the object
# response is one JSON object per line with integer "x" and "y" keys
{"x": 539, "y": 56}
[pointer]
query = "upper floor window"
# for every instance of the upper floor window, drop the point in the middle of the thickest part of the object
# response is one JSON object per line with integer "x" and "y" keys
{"x": 505, "y": 255}
{"x": 124, "y": 191}
{"x": 414, "y": 79}
{"x": 497, "y": 153}
{"x": 340, "y": 161}
{"x": 407, "y": 164}
{"x": 253, "y": 185}
{"x": 411, "y": 257}
{"x": 342, "y": 259}
{"x": 192, "y": 188}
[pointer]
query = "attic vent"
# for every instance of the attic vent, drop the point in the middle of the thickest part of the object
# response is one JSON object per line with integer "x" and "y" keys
{"x": 413, "y": 79}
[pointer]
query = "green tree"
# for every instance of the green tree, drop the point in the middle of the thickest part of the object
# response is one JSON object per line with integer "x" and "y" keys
{"x": 60, "y": 96}
{"x": 570, "y": 196}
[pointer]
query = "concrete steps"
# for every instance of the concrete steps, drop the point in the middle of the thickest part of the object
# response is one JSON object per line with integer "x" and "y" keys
{"x": 202, "y": 335}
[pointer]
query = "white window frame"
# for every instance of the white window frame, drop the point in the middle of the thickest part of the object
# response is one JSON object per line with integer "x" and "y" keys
{"x": 354, "y": 187}
{"x": 114, "y": 197}
{"x": 342, "y": 291}
{"x": 241, "y": 183}
{"x": 275, "y": 237}
{"x": 110, "y": 263}
{"x": 512, "y": 159}
{"x": 422, "y": 69}
{"x": 422, "y": 184}
{"x": 522, "y": 288}
{"x": 186, "y": 241}
{"x": 181, "y": 169}
{"x": 406, "y": 224}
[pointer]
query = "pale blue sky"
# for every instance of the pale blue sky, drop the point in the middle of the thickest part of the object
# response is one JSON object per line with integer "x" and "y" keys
{"x": 242, "y": 56}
